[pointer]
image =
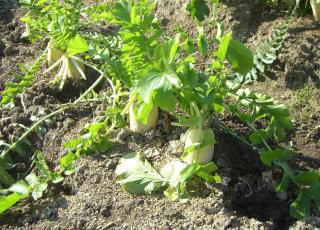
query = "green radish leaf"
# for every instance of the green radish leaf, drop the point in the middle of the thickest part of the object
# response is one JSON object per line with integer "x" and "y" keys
{"x": 278, "y": 127}
{"x": 42, "y": 165}
{"x": 138, "y": 176}
{"x": 205, "y": 172}
{"x": 222, "y": 51}
{"x": 313, "y": 192}
{"x": 7, "y": 202}
{"x": 6, "y": 178}
{"x": 177, "y": 193}
{"x": 284, "y": 183}
{"x": 202, "y": 45}
{"x": 66, "y": 163}
{"x": 37, "y": 186}
{"x": 240, "y": 57}
{"x": 178, "y": 173}
{"x": 56, "y": 178}
{"x": 189, "y": 122}
{"x": 268, "y": 157}
{"x": 73, "y": 144}
{"x": 300, "y": 208}
{"x": 209, "y": 178}
{"x": 32, "y": 179}
{"x": 77, "y": 45}
{"x": 307, "y": 178}
{"x": 38, "y": 189}
{"x": 277, "y": 110}
{"x": 174, "y": 47}
{"x": 198, "y": 9}
{"x": 202, "y": 171}
{"x": 157, "y": 88}
{"x": 20, "y": 187}
{"x": 258, "y": 137}
{"x": 188, "y": 172}
{"x": 172, "y": 172}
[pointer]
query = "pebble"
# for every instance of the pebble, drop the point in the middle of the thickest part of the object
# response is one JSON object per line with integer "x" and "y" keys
{"x": 81, "y": 224}
{"x": 105, "y": 212}
{"x": 2, "y": 48}
{"x": 9, "y": 51}
{"x": 151, "y": 153}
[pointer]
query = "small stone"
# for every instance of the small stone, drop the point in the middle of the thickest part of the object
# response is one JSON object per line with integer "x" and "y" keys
{"x": 81, "y": 224}
{"x": 105, "y": 212}
{"x": 111, "y": 164}
{"x": 9, "y": 51}
{"x": 282, "y": 195}
{"x": 313, "y": 116}
{"x": 151, "y": 153}
{"x": 2, "y": 48}
{"x": 122, "y": 135}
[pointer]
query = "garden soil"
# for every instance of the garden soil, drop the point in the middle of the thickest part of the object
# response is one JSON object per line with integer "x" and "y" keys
{"x": 91, "y": 197}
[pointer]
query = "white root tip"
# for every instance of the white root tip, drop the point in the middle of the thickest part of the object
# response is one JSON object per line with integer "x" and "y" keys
{"x": 53, "y": 66}
{"x": 78, "y": 68}
{"x": 137, "y": 126}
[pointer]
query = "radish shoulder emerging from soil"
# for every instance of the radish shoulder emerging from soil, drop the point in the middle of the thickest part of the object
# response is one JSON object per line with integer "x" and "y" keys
{"x": 204, "y": 153}
{"x": 138, "y": 126}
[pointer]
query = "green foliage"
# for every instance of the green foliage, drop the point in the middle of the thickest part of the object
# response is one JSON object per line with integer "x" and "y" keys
{"x": 198, "y": 9}
{"x": 138, "y": 176}
{"x": 139, "y": 32}
{"x": 267, "y": 52}
{"x": 158, "y": 70}
{"x": 21, "y": 83}
{"x": 95, "y": 140}
{"x": 59, "y": 20}
{"x": 77, "y": 45}
{"x": 34, "y": 184}
{"x": 262, "y": 107}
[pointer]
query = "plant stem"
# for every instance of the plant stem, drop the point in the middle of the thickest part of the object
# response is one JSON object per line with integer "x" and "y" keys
{"x": 25, "y": 134}
{"x": 131, "y": 101}
{"x": 99, "y": 71}
{"x": 226, "y": 129}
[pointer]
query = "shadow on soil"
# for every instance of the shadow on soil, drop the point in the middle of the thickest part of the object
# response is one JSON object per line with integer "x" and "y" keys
{"x": 307, "y": 65}
{"x": 245, "y": 190}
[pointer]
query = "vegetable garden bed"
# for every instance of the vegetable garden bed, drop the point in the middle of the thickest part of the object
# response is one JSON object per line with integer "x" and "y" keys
{"x": 77, "y": 172}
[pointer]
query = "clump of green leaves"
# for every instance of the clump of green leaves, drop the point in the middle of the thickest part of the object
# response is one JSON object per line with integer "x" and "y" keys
{"x": 138, "y": 176}
{"x": 35, "y": 184}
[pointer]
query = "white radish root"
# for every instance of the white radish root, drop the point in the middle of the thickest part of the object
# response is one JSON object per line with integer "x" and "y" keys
{"x": 315, "y": 9}
{"x": 203, "y": 155}
{"x": 53, "y": 54}
{"x": 70, "y": 67}
{"x": 137, "y": 126}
